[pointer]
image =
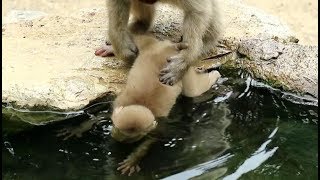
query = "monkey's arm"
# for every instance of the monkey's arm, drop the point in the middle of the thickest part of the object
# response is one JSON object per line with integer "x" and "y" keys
{"x": 195, "y": 25}
{"x": 130, "y": 164}
{"x": 78, "y": 130}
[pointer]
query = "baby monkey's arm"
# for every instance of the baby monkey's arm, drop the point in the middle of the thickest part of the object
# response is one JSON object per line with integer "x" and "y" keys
{"x": 130, "y": 164}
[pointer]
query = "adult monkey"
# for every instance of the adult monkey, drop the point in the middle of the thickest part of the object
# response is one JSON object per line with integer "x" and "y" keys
{"x": 201, "y": 28}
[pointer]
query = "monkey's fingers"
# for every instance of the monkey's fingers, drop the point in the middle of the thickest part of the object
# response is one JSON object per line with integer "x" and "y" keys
{"x": 67, "y": 137}
{"x": 170, "y": 59}
{"x": 132, "y": 170}
{"x": 105, "y": 51}
{"x": 123, "y": 162}
{"x": 138, "y": 168}
{"x": 125, "y": 170}
{"x": 164, "y": 71}
{"x": 62, "y": 132}
{"x": 123, "y": 165}
{"x": 166, "y": 79}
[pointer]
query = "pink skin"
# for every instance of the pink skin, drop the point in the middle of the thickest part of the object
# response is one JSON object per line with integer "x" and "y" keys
{"x": 104, "y": 51}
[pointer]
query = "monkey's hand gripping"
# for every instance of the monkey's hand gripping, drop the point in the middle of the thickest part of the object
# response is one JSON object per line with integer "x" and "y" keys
{"x": 176, "y": 67}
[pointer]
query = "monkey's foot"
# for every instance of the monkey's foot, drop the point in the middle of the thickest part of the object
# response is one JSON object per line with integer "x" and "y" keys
{"x": 173, "y": 71}
{"x": 105, "y": 51}
{"x": 129, "y": 51}
{"x": 129, "y": 166}
{"x": 76, "y": 131}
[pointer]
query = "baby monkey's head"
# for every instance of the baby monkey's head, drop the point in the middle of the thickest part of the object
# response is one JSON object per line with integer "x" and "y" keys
{"x": 131, "y": 123}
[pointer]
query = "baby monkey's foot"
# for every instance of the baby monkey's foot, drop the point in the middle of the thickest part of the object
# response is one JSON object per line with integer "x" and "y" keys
{"x": 129, "y": 166}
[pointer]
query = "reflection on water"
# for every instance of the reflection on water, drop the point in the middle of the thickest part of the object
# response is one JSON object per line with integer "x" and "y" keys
{"x": 256, "y": 159}
{"x": 201, "y": 169}
{"x": 242, "y": 132}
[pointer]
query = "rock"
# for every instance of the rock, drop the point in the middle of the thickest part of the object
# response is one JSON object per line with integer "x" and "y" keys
{"x": 282, "y": 64}
{"x": 49, "y": 60}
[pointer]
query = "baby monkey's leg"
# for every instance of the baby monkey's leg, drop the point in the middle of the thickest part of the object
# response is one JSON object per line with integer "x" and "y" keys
{"x": 195, "y": 83}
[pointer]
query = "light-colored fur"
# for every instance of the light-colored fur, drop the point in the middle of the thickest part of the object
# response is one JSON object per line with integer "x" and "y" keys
{"x": 144, "y": 89}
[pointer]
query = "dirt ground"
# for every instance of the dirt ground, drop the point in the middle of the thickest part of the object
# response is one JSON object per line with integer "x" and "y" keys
{"x": 301, "y": 16}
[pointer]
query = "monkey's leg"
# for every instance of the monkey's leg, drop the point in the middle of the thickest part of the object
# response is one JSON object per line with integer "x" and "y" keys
{"x": 130, "y": 165}
{"x": 120, "y": 38}
{"x": 195, "y": 83}
{"x": 143, "y": 15}
{"x": 210, "y": 39}
{"x": 195, "y": 25}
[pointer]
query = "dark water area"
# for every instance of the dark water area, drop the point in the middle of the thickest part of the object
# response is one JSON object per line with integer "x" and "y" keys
{"x": 237, "y": 130}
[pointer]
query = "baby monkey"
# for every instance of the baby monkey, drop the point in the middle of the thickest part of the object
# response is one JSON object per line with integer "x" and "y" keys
{"x": 201, "y": 29}
{"x": 144, "y": 98}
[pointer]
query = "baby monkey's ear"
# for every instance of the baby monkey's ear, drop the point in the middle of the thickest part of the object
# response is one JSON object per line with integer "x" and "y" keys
{"x": 181, "y": 46}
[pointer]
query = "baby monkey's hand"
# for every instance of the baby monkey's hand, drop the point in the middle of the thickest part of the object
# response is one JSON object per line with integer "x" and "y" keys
{"x": 129, "y": 165}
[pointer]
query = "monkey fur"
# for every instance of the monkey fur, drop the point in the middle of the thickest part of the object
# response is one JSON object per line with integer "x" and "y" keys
{"x": 201, "y": 29}
{"x": 144, "y": 98}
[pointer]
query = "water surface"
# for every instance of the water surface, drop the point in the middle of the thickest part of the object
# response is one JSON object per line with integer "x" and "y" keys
{"x": 242, "y": 132}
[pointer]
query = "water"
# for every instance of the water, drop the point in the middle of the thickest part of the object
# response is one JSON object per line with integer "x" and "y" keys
{"x": 245, "y": 132}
